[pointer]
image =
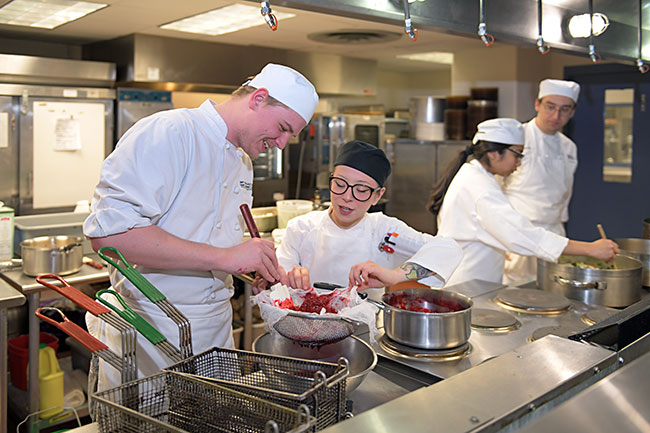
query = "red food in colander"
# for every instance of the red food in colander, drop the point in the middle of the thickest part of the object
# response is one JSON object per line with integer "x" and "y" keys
{"x": 314, "y": 303}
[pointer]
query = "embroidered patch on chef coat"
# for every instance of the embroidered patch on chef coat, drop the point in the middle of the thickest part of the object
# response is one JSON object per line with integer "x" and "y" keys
{"x": 386, "y": 246}
{"x": 246, "y": 185}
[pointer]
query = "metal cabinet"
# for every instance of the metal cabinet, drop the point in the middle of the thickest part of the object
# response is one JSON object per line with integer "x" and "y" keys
{"x": 417, "y": 165}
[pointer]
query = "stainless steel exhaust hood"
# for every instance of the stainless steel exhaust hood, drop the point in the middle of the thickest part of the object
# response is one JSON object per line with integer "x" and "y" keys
{"x": 178, "y": 64}
{"x": 20, "y": 69}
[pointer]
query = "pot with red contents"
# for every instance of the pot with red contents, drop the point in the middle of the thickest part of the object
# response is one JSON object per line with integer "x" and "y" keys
{"x": 427, "y": 318}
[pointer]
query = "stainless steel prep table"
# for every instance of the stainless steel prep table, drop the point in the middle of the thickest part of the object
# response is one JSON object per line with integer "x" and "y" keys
{"x": 29, "y": 287}
{"x": 9, "y": 297}
{"x": 510, "y": 388}
{"x": 618, "y": 403}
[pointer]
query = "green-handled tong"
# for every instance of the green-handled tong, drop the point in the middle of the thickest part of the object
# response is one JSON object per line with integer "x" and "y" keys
{"x": 155, "y": 296}
{"x": 141, "y": 325}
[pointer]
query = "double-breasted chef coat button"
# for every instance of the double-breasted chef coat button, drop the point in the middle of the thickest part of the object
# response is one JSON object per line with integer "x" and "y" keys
{"x": 227, "y": 146}
{"x": 237, "y": 227}
{"x": 236, "y": 189}
{"x": 218, "y": 225}
{"x": 225, "y": 184}
{"x": 213, "y": 296}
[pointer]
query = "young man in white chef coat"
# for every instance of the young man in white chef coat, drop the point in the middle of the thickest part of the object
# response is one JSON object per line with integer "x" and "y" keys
{"x": 475, "y": 212}
{"x": 541, "y": 188}
{"x": 348, "y": 246}
{"x": 168, "y": 198}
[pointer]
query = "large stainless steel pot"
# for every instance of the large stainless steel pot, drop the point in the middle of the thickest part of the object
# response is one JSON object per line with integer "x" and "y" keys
{"x": 426, "y": 330}
{"x": 646, "y": 228}
{"x": 361, "y": 357}
{"x": 640, "y": 250}
{"x": 618, "y": 287}
{"x": 60, "y": 255}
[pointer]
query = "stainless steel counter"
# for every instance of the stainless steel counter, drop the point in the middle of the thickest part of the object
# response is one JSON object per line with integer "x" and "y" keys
{"x": 29, "y": 287}
{"x": 617, "y": 403}
{"x": 9, "y": 297}
{"x": 504, "y": 390}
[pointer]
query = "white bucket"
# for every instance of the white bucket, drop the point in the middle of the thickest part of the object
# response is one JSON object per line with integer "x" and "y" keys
{"x": 288, "y": 209}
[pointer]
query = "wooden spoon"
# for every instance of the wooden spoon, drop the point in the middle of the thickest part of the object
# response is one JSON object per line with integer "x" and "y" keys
{"x": 601, "y": 230}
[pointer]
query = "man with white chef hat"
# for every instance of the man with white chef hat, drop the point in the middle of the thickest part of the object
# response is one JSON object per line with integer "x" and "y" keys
{"x": 541, "y": 188}
{"x": 168, "y": 198}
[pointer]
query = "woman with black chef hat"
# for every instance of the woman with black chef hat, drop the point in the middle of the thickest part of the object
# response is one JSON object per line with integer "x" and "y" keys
{"x": 346, "y": 245}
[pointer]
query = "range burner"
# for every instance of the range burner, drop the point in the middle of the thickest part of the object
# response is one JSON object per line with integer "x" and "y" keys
{"x": 532, "y": 301}
{"x": 558, "y": 330}
{"x": 416, "y": 354}
{"x": 596, "y": 316}
{"x": 487, "y": 320}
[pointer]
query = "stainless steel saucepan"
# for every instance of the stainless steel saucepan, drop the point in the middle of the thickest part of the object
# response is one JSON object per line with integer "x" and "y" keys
{"x": 429, "y": 319}
{"x": 593, "y": 281}
{"x": 60, "y": 255}
{"x": 640, "y": 250}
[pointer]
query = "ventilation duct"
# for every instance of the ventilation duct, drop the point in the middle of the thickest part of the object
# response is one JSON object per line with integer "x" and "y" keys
{"x": 178, "y": 64}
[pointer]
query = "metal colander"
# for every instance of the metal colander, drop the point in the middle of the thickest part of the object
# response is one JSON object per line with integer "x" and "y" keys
{"x": 315, "y": 330}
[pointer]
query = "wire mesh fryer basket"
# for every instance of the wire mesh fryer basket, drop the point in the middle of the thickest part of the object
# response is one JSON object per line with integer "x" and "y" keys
{"x": 176, "y": 402}
{"x": 286, "y": 381}
{"x": 314, "y": 330}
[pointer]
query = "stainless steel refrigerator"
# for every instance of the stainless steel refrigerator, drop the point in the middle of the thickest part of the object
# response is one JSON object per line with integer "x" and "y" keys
{"x": 56, "y": 128}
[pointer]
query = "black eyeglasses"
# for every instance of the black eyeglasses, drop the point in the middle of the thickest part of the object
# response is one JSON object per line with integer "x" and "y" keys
{"x": 360, "y": 192}
{"x": 519, "y": 155}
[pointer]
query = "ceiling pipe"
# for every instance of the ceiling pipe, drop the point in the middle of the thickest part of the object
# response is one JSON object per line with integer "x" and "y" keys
{"x": 487, "y": 38}
{"x": 640, "y": 64}
{"x": 408, "y": 25}
{"x": 541, "y": 46}
{"x": 593, "y": 55}
{"x": 267, "y": 13}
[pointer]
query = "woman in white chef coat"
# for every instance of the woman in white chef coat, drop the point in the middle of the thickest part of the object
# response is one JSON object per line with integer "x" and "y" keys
{"x": 346, "y": 245}
{"x": 475, "y": 212}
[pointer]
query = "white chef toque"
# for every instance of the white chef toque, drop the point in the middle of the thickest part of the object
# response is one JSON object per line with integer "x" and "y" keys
{"x": 289, "y": 87}
{"x": 504, "y": 131}
{"x": 570, "y": 89}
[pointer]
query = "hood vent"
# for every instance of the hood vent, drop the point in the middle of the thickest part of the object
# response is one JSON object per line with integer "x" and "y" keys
{"x": 354, "y": 37}
{"x": 156, "y": 62}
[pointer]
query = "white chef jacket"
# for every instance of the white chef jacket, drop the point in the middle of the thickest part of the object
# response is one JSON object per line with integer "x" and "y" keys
{"x": 476, "y": 213}
{"x": 315, "y": 242}
{"x": 176, "y": 170}
{"x": 541, "y": 189}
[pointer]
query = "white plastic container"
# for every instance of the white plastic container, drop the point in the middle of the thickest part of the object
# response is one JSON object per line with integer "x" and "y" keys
{"x": 52, "y": 224}
{"x": 6, "y": 232}
{"x": 288, "y": 209}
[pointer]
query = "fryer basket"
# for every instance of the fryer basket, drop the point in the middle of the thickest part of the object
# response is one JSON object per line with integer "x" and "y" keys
{"x": 286, "y": 381}
{"x": 176, "y": 402}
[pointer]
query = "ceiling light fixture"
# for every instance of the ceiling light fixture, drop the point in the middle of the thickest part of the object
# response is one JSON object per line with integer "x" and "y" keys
{"x": 431, "y": 56}
{"x": 223, "y": 20}
{"x": 579, "y": 25}
{"x": 45, "y": 14}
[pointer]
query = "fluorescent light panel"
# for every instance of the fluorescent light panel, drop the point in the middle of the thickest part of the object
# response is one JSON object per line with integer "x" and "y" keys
{"x": 45, "y": 14}
{"x": 432, "y": 56}
{"x": 223, "y": 20}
